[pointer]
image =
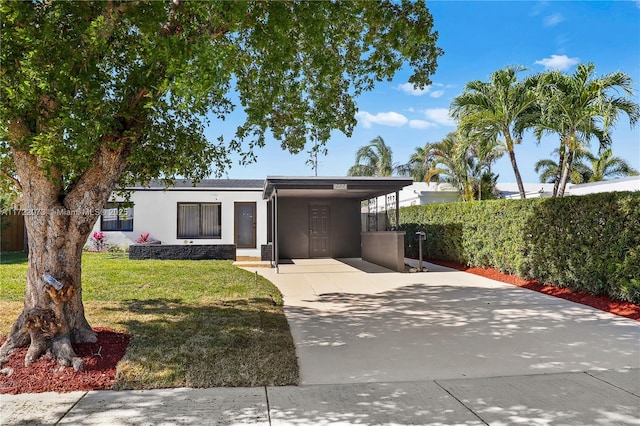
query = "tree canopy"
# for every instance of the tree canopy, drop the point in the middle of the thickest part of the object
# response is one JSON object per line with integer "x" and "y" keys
{"x": 144, "y": 77}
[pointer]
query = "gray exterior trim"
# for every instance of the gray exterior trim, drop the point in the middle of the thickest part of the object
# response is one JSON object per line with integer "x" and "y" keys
{"x": 335, "y": 187}
{"x": 204, "y": 185}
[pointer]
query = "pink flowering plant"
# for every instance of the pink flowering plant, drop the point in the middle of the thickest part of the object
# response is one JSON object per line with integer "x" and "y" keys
{"x": 144, "y": 238}
{"x": 99, "y": 241}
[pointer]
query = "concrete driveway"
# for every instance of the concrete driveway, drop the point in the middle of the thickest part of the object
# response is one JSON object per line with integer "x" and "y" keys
{"x": 354, "y": 322}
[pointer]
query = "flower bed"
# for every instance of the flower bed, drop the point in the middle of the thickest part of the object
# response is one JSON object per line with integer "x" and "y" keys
{"x": 602, "y": 302}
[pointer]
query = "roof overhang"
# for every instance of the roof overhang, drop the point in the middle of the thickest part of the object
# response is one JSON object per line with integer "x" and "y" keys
{"x": 361, "y": 188}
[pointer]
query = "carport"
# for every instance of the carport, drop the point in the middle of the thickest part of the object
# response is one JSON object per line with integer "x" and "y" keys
{"x": 322, "y": 217}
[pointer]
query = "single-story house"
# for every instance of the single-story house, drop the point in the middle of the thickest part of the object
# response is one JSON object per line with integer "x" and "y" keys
{"x": 273, "y": 219}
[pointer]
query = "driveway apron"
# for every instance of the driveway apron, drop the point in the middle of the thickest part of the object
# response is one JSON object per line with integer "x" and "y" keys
{"x": 354, "y": 322}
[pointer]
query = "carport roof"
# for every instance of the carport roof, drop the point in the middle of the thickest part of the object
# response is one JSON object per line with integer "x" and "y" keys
{"x": 333, "y": 187}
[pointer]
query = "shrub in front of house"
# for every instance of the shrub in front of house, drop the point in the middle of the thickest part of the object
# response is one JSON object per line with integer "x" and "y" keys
{"x": 589, "y": 243}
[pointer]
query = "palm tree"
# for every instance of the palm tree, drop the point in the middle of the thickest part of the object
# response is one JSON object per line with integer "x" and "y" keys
{"x": 418, "y": 165}
{"x": 465, "y": 164}
{"x": 578, "y": 108}
{"x": 548, "y": 168}
{"x": 449, "y": 163}
{"x": 605, "y": 165}
{"x": 484, "y": 153}
{"x": 374, "y": 159}
{"x": 500, "y": 108}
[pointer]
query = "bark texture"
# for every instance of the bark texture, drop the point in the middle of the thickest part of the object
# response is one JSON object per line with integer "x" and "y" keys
{"x": 58, "y": 226}
{"x": 514, "y": 164}
{"x": 516, "y": 171}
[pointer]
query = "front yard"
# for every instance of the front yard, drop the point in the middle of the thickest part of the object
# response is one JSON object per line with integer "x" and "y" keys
{"x": 193, "y": 323}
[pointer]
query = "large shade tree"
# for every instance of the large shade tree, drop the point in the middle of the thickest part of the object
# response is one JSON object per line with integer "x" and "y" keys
{"x": 97, "y": 95}
{"x": 580, "y": 107}
{"x": 498, "y": 109}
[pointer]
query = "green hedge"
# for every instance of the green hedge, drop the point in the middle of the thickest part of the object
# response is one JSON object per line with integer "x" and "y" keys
{"x": 589, "y": 243}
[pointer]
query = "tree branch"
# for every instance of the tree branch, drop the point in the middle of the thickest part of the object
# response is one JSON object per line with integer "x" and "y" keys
{"x": 15, "y": 180}
{"x": 172, "y": 26}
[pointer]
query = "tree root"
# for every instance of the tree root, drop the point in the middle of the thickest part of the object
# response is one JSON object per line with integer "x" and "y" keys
{"x": 42, "y": 328}
{"x": 84, "y": 335}
{"x": 18, "y": 337}
{"x": 62, "y": 351}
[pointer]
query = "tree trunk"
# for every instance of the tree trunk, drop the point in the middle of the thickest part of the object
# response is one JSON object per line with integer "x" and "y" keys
{"x": 561, "y": 156}
{"x": 514, "y": 164}
{"x": 566, "y": 173}
{"x": 516, "y": 171}
{"x": 53, "y": 318}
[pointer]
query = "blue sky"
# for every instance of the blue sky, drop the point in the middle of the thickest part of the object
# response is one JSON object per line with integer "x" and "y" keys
{"x": 478, "y": 38}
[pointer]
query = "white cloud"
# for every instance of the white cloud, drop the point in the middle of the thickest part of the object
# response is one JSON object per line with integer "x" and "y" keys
{"x": 552, "y": 20}
{"x": 440, "y": 116}
{"x": 411, "y": 90}
{"x": 392, "y": 119}
{"x": 539, "y": 7}
{"x": 558, "y": 62}
{"x": 420, "y": 124}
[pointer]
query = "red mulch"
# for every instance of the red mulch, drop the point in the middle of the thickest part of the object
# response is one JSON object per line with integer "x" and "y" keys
{"x": 45, "y": 375}
{"x": 602, "y": 302}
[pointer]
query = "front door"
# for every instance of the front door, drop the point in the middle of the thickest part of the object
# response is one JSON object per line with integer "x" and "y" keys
{"x": 319, "y": 218}
{"x": 245, "y": 225}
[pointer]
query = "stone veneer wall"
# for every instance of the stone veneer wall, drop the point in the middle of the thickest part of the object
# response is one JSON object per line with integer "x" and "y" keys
{"x": 266, "y": 252}
{"x": 182, "y": 252}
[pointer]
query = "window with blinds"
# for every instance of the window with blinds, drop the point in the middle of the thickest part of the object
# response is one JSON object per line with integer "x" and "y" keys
{"x": 117, "y": 217}
{"x": 199, "y": 220}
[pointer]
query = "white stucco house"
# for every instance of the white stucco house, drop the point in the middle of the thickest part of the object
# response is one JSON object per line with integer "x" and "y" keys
{"x": 276, "y": 218}
{"x": 213, "y": 212}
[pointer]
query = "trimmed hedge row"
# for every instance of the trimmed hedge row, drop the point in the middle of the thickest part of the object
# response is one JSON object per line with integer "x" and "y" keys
{"x": 589, "y": 243}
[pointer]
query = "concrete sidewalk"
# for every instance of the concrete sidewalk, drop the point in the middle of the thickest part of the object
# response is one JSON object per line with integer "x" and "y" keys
{"x": 606, "y": 397}
{"x": 379, "y": 347}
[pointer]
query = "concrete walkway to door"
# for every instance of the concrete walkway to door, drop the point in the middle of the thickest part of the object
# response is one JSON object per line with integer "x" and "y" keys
{"x": 354, "y": 322}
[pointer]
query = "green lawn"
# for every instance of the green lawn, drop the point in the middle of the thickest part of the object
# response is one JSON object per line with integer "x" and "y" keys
{"x": 193, "y": 323}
